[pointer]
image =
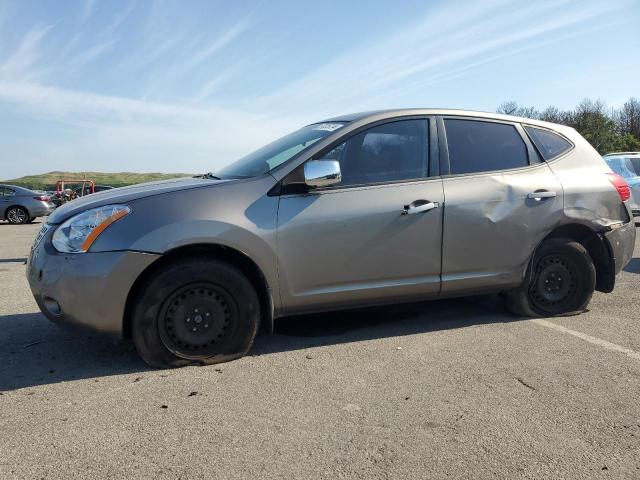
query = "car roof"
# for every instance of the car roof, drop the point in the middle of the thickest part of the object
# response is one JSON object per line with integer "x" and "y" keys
{"x": 383, "y": 114}
{"x": 16, "y": 188}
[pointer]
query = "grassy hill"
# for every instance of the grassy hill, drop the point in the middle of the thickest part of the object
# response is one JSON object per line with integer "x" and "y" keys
{"x": 47, "y": 181}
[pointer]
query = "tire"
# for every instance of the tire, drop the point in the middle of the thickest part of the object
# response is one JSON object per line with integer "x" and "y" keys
{"x": 17, "y": 215}
{"x": 560, "y": 281}
{"x": 195, "y": 311}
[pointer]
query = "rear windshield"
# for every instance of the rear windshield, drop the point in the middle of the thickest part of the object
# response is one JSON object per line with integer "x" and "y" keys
{"x": 622, "y": 166}
{"x": 276, "y": 153}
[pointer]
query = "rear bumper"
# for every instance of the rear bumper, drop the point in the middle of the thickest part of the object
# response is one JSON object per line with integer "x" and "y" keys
{"x": 89, "y": 290}
{"x": 621, "y": 242}
{"x": 41, "y": 209}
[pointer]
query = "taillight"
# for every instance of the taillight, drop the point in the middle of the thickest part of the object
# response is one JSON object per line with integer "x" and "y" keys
{"x": 42, "y": 198}
{"x": 621, "y": 186}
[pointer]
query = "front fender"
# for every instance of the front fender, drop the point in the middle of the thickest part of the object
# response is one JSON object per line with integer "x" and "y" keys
{"x": 242, "y": 217}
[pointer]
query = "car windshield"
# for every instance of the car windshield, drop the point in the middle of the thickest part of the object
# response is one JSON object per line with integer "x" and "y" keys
{"x": 276, "y": 153}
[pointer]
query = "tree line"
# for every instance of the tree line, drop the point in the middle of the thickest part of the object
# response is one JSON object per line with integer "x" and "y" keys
{"x": 607, "y": 129}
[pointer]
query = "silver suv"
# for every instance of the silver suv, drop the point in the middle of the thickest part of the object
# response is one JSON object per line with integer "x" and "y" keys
{"x": 359, "y": 210}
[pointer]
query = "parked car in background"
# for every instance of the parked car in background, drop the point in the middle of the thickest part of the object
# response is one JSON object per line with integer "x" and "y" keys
{"x": 634, "y": 158}
{"x": 359, "y": 210}
{"x": 627, "y": 164}
{"x": 21, "y": 205}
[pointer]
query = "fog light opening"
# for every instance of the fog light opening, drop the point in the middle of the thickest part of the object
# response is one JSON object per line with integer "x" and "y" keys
{"x": 52, "y": 306}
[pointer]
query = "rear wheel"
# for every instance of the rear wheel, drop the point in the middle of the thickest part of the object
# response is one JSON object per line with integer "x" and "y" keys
{"x": 195, "y": 311}
{"x": 561, "y": 281}
{"x": 17, "y": 215}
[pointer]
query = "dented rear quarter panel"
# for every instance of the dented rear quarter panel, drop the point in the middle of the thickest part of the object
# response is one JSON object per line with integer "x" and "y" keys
{"x": 589, "y": 197}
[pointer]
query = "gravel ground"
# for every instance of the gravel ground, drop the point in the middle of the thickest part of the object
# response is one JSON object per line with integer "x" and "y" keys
{"x": 454, "y": 388}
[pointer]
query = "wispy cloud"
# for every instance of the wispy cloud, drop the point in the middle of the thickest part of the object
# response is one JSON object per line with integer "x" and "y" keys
{"x": 94, "y": 52}
{"x": 69, "y": 102}
{"x": 170, "y": 122}
{"x": 119, "y": 19}
{"x": 218, "y": 44}
{"x": 190, "y": 56}
{"x": 19, "y": 64}
{"x": 210, "y": 87}
{"x": 432, "y": 48}
{"x": 461, "y": 71}
{"x": 86, "y": 10}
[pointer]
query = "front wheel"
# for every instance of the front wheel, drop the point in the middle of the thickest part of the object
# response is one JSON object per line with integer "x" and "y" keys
{"x": 195, "y": 311}
{"x": 561, "y": 281}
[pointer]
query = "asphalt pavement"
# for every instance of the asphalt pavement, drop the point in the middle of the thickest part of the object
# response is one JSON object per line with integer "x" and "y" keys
{"x": 444, "y": 389}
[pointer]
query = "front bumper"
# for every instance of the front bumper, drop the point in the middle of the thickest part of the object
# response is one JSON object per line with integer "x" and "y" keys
{"x": 87, "y": 290}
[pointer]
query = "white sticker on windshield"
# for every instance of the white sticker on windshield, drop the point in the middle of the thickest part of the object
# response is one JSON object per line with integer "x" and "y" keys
{"x": 328, "y": 127}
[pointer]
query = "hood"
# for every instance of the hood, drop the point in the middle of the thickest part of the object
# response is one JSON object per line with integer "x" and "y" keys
{"x": 127, "y": 194}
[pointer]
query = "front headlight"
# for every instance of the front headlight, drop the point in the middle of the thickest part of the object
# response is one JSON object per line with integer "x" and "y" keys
{"x": 78, "y": 233}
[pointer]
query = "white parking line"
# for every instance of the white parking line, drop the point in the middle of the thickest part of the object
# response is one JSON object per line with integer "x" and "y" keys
{"x": 588, "y": 338}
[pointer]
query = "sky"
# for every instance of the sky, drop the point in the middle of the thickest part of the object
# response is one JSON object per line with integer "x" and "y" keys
{"x": 190, "y": 86}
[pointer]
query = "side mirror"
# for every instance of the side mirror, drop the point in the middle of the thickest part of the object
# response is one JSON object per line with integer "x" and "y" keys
{"x": 322, "y": 173}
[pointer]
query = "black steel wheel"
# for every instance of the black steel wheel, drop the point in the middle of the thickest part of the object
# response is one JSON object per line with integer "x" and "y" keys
{"x": 560, "y": 281}
{"x": 194, "y": 311}
{"x": 195, "y": 319}
{"x": 554, "y": 284}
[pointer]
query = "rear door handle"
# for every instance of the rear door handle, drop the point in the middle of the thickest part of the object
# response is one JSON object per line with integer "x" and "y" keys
{"x": 541, "y": 195}
{"x": 419, "y": 206}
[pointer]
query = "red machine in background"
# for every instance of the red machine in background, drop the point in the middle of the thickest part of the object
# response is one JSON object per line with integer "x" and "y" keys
{"x": 65, "y": 194}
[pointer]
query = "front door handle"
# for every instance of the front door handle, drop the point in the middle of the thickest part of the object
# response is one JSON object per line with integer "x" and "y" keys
{"x": 541, "y": 195}
{"x": 419, "y": 206}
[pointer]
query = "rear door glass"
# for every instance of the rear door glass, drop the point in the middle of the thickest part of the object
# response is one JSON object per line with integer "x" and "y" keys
{"x": 479, "y": 146}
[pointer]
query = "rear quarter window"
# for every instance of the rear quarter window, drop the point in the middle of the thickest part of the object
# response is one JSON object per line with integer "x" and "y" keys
{"x": 548, "y": 143}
